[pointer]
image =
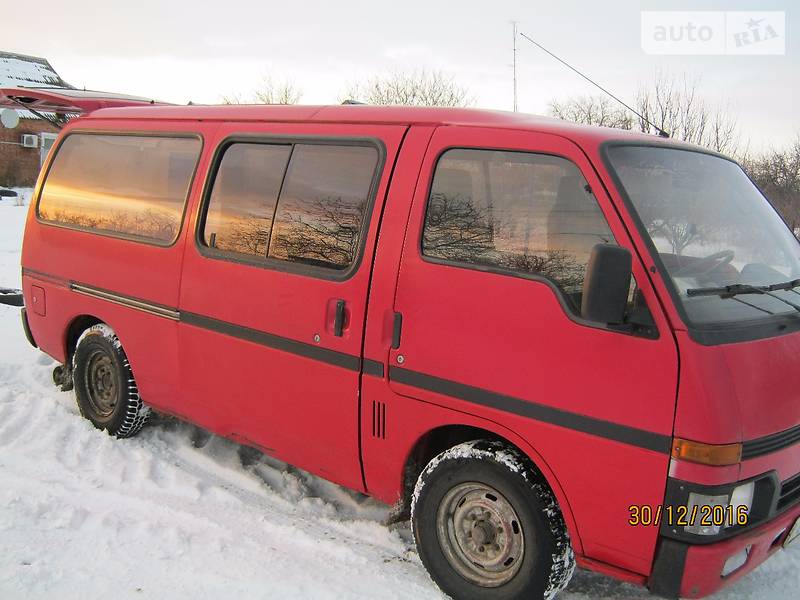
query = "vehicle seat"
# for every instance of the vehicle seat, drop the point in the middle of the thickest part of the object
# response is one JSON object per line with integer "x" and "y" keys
{"x": 575, "y": 223}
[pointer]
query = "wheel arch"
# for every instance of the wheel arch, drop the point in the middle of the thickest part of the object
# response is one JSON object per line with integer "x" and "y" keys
{"x": 443, "y": 437}
{"x": 73, "y": 331}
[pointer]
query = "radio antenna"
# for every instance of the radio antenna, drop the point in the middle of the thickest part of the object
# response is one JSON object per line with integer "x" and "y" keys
{"x": 514, "y": 65}
{"x": 658, "y": 129}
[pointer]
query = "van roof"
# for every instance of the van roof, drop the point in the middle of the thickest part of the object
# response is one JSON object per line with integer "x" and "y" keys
{"x": 368, "y": 114}
{"x": 111, "y": 106}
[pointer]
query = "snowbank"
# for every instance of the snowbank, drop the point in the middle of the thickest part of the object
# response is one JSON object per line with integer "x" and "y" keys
{"x": 178, "y": 513}
{"x": 23, "y": 197}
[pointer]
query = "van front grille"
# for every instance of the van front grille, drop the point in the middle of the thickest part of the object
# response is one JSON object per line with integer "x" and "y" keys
{"x": 790, "y": 492}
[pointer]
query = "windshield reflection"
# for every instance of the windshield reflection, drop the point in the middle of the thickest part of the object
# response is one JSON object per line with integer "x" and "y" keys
{"x": 712, "y": 228}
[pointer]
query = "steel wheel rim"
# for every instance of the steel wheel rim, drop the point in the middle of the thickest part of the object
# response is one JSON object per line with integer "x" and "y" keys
{"x": 101, "y": 383}
{"x": 480, "y": 534}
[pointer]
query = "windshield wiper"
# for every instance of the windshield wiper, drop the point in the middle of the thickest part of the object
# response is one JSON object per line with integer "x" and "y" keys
{"x": 729, "y": 291}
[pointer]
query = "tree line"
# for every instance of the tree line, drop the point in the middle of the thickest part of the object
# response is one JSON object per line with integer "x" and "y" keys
{"x": 672, "y": 104}
{"x": 676, "y": 106}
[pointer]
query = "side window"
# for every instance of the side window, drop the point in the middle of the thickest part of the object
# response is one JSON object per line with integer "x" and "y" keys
{"x": 321, "y": 208}
{"x": 126, "y": 184}
{"x": 244, "y": 196}
{"x": 514, "y": 211}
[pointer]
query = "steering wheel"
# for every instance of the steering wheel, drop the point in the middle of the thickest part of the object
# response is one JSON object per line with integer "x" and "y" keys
{"x": 706, "y": 264}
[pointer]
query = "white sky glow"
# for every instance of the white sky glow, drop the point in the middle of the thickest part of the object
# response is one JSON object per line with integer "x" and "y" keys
{"x": 198, "y": 50}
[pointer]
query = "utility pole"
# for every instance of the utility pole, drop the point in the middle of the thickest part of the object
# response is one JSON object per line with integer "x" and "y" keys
{"x": 514, "y": 64}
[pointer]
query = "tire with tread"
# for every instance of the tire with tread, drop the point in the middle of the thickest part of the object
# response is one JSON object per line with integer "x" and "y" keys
{"x": 519, "y": 494}
{"x": 105, "y": 388}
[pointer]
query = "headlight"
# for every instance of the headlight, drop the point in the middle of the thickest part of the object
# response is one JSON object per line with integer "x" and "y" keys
{"x": 700, "y": 513}
{"x": 708, "y": 514}
{"x": 741, "y": 500}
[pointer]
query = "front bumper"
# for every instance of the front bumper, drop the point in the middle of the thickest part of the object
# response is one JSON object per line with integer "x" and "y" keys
{"x": 695, "y": 571}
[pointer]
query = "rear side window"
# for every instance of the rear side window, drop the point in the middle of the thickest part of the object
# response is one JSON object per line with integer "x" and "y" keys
{"x": 322, "y": 205}
{"x": 244, "y": 197}
{"x": 301, "y": 203}
{"x": 514, "y": 211}
{"x": 121, "y": 184}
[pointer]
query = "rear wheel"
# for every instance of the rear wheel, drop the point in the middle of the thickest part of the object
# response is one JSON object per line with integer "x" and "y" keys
{"x": 487, "y": 525}
{"x": 104, "y": 384}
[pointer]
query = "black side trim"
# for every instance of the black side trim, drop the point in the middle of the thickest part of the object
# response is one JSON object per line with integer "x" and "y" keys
{"x": 372, "y": 367}
{"x": 667, "y": 575}
{"x": 338, "y": 359}
{"x": 605, "y": 429}
{"x": 47, "y": 277}
{"x": 146, "y": 306}
{"x": 27, "y": 328}
{"x": 770, "y": 443}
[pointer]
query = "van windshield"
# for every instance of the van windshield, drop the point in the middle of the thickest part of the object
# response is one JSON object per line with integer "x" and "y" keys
{"x": 712, "y": 228}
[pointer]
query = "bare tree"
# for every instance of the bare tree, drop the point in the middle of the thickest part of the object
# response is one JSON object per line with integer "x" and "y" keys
{"x": 593, "y": 110}
{"x": 673, "y": 104}
{"x": 149, "y": 223}
{"x": 416, "y": 88}
{"x": 777, "y": 173}
{"x": 269, "y": 91}
{"x": 458, "y": 230}
{"x": 325, "y": 233}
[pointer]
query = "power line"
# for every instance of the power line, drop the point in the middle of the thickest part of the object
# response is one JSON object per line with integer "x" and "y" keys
{"x": 660, "y": 131}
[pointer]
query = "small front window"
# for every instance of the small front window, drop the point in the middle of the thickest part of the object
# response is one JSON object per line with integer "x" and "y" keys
{"x": 517, "y": 212}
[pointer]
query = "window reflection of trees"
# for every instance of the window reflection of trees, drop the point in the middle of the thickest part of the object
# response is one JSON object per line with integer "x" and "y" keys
{"x": 694, "y": 205}
{"x": 127, "y": 184}
{"x": 320, "y": 212}
{"x": 318, "y": 217}
{"x": 246, "y": 235}
{"x": 512, "y": 211}
{"x": 243, "y": 197}
{"x": 149, "y": 223}
{"x": 324, "y": 232}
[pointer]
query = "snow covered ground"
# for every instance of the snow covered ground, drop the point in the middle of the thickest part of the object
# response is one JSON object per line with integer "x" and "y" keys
{"x": 179, "y": 513}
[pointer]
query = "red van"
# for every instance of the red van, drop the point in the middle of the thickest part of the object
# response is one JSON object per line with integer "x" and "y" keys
{"x": 546, "y": 344}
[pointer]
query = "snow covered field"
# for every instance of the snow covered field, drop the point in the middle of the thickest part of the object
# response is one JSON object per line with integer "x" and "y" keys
{"x": 179, "y": 513}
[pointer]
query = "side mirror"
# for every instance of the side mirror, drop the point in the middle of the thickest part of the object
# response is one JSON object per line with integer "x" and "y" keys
{"x": 605, "y": 288}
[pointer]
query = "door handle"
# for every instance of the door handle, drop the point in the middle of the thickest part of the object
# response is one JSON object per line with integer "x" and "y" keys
{"x": 338, "y": 322}
{"x": 397, "y": 327}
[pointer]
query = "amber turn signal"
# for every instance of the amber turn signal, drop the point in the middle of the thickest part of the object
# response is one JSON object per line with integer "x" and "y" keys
{"x": 706, "y": 454}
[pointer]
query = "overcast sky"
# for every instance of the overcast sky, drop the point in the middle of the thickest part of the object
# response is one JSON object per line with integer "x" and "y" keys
{"x": 199, "y": 50}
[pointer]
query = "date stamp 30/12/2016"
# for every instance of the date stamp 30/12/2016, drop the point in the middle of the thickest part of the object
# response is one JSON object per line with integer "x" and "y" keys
{"x": 702, "y": 515}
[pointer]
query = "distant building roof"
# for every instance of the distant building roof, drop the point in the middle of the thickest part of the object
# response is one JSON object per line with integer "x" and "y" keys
{"x": 19, "y": 70}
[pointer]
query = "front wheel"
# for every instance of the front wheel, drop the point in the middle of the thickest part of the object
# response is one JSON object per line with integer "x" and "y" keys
{"x": 104, "y": 385}
{"x": 488, "y": 526}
